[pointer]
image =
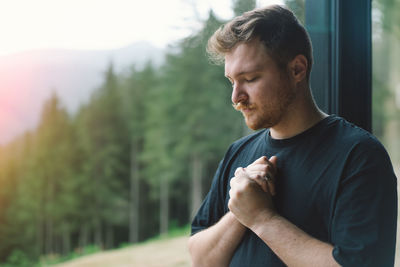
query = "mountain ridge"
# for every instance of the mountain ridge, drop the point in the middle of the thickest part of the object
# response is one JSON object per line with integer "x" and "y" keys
{"x": 28, "y": 78}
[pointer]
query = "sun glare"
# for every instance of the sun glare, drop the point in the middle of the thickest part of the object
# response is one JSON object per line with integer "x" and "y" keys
{"x": 100, "y": 24}
{"x": 89, "y": 24}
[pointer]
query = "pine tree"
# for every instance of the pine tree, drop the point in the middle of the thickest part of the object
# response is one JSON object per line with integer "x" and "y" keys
{"x": 104, "y": 140}
{"x": 241, "y": 6}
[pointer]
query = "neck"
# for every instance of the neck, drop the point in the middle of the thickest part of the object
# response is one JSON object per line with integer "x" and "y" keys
{"x": 301, "y": 115}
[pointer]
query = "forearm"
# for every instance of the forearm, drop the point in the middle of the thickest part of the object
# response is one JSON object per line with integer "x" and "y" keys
{"x": 216, "y": 245}
{"x": 292, "y": 245}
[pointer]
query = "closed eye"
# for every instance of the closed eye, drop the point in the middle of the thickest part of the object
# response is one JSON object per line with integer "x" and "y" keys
{"x": 251, "y": 80}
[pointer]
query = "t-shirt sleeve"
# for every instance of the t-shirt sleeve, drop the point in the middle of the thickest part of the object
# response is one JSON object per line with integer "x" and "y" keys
{"x": 365, "y": 216}
{"x": 212, "y": 208}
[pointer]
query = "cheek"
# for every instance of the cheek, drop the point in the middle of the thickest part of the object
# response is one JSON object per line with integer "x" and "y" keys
{"x": 264, "y": 93}
{"x": 259, "y": 90}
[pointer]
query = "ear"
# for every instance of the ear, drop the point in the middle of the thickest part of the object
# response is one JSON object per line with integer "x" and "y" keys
{"x": 298, "y": 68}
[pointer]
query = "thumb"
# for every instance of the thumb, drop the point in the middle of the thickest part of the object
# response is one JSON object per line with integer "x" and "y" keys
{"x": 274, "y": 160}
{"x": 271, "y": 185}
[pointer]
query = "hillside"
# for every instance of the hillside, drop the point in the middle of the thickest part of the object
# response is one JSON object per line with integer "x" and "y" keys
{"x": 171, "y": 252}
{"x": 27, "y": 79}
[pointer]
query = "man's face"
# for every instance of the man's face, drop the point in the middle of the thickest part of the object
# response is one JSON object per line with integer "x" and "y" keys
{"x": 261, "y": 91}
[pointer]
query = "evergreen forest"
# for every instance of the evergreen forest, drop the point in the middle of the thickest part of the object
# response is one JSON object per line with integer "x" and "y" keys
{"x": 134, "y": 162}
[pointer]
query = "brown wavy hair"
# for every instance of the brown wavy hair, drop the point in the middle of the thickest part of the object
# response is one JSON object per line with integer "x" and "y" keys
{"x": 276, "y": 27}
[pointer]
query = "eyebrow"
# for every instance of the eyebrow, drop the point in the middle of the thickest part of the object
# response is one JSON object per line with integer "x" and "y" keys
{"x": 256, "y": 68}
{"x": 243, "y": 72}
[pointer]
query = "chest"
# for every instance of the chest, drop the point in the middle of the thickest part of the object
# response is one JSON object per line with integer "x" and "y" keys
{"x": 306, "y": 185}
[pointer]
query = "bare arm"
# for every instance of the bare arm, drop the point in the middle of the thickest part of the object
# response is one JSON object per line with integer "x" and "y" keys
{"x": 252, "y": 206}
{"x": 215, "y": 245}
{"x": 292, "y": 245}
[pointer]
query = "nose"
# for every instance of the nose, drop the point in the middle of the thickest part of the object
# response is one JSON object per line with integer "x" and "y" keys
{"x": 238, "y": 94}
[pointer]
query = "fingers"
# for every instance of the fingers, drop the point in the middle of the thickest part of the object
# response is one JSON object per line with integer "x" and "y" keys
{"x": 262, "y": 159}
{"x": 262, "y": 162}
{"x": 266, "y": 183}
{"x": 274, "y": 161}
{"x": 257, "y": 174}
{"x": 238, "y": 171}
{"x": 271, "y": 187}
{"x": 261, "y": 181}
{"x": 263, "y": 172}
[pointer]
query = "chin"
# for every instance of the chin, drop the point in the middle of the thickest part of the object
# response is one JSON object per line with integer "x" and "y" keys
{"x": 254, "y": 125}
{"x": 259, "y": 124}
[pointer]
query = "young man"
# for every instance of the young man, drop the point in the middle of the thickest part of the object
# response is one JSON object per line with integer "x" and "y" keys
{"x": 307, "y": 190}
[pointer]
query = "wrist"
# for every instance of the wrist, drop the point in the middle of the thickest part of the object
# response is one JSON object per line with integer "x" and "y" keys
{"x": 262, "y": 221}
{"x": 233, "y": 220}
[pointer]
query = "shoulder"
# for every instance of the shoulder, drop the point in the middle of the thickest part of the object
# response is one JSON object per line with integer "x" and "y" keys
{"x": 363, "y": 152}
{"x": 352, "y": 136}
{"x": 353, "y": 147}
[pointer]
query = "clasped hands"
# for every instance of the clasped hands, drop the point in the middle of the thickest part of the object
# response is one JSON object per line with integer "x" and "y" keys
{"x": 251, "y": 192}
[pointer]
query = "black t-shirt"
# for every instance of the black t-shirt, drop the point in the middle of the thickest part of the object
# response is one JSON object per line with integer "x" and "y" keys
{"x": 335, "y": 181}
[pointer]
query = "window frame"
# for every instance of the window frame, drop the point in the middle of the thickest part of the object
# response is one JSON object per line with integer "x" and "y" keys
{"x": 340, "y": 31}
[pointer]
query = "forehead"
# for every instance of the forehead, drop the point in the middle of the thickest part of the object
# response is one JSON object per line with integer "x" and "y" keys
{"x": 246, "y": 57}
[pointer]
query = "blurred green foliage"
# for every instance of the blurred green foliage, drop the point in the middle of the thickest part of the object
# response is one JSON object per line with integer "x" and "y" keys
{"x": 121, "y": 169}
{"x": 128, "y": 165}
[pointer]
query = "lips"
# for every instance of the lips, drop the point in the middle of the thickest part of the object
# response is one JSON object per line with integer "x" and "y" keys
{"x": 246, "y": 110}
{"x": 244, "y": 107}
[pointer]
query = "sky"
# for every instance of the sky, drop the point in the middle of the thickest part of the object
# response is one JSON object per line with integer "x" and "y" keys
{"x": 27, "y": 25}
{"x": 101, "y": 24}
